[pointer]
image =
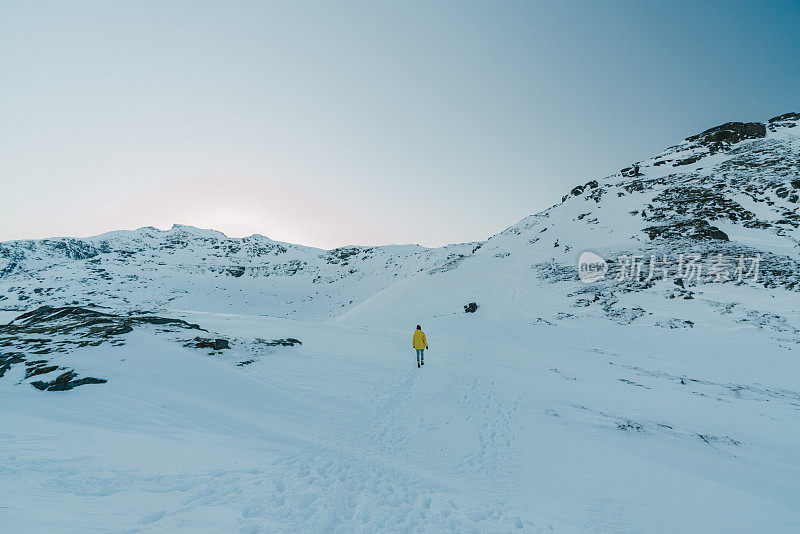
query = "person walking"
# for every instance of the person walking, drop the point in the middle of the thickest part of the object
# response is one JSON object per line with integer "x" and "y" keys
{"x": 420, "y": 344}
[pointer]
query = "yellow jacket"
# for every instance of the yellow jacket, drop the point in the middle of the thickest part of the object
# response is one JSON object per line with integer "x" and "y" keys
{"x": 419, "y": 341}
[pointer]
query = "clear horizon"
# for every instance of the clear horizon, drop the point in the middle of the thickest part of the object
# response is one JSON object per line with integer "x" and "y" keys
{"x": 360, "y": 123}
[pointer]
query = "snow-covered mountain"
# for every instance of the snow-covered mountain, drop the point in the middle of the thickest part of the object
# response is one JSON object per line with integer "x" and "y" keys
{"x": 189, "y": 267}
{"x": 183, "y": 380}
{"x": 717, "y": 215}
{"x": 727, "y": 197}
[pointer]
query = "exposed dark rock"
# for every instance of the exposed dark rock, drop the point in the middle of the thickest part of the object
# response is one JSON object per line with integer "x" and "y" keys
{"x": 208, "y": 343}
{"x": 630, "y": 425}
{"x": 631, "y": 172}
{"x": 688, "y": 161}
{"x": 150, "y": 319}
{"x": 690, "y": 229}
{"x": 718, "y": 139}
{"x": 470, "y": 308}
{"x": 700, "y": 203}
{"x": 342, "y": 254}
{"x": 285, "y": 342}
{"x": 580, "y": 189}
{"x": 235, "y": 271}
{"x": 453, "y": 260}
{"x": 791, "y": 116}
{"x": 787, "y": 120}
{"x": 66, "y": 382}
{"x": 730, "y": 132}
{"x": 74, "y": 249}
{"x": 70, "y": 318}
{"x": 710, "y": 439}
{"x": 9, "y": 359}
{"x": 34, "y": 370}
{"x": 48, "y": 329}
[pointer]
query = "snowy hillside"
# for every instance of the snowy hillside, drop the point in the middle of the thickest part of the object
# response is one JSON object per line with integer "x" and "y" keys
{"x": 180, "y": 380}
{"x": 699, "y": 200}
{"x": 189, "y": 267}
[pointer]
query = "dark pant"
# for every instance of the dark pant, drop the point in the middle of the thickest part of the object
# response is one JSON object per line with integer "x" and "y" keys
{"x": 419, "y": 354}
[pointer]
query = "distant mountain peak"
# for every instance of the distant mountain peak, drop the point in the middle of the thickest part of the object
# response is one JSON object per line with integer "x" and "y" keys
{"x": 197, "y": 232}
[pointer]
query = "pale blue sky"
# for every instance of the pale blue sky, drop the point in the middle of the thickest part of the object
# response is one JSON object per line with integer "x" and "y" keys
{"x": 332, "y": 123}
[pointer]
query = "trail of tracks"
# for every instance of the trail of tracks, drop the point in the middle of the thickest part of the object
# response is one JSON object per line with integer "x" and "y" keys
{"x": 394, "y": 465}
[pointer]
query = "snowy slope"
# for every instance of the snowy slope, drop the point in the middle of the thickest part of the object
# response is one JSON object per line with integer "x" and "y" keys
{"x": 740, "y": 201}
{"x": 194, "y": 268}
{"x": 656, "y": 405}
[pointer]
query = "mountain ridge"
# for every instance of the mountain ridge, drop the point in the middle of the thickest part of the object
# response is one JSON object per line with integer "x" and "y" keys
{"x": 738, "y": 195}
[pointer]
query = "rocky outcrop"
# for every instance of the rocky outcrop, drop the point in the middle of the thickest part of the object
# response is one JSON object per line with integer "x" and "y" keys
{"x": 787, "y": 120}
{"x": 697, "y": 202}
{"x": 285, "y": 342}
{"x": 208, "y": 343}
{"x": 49, "y": 330}
{"x": 66, "y": 381}
{"x": 689, "y": 229}
{"x": 631, "y": 172}
{"x": 90, "y": 323}
{"x": 729, "y": 133}
{"x": 578, "y": 190}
